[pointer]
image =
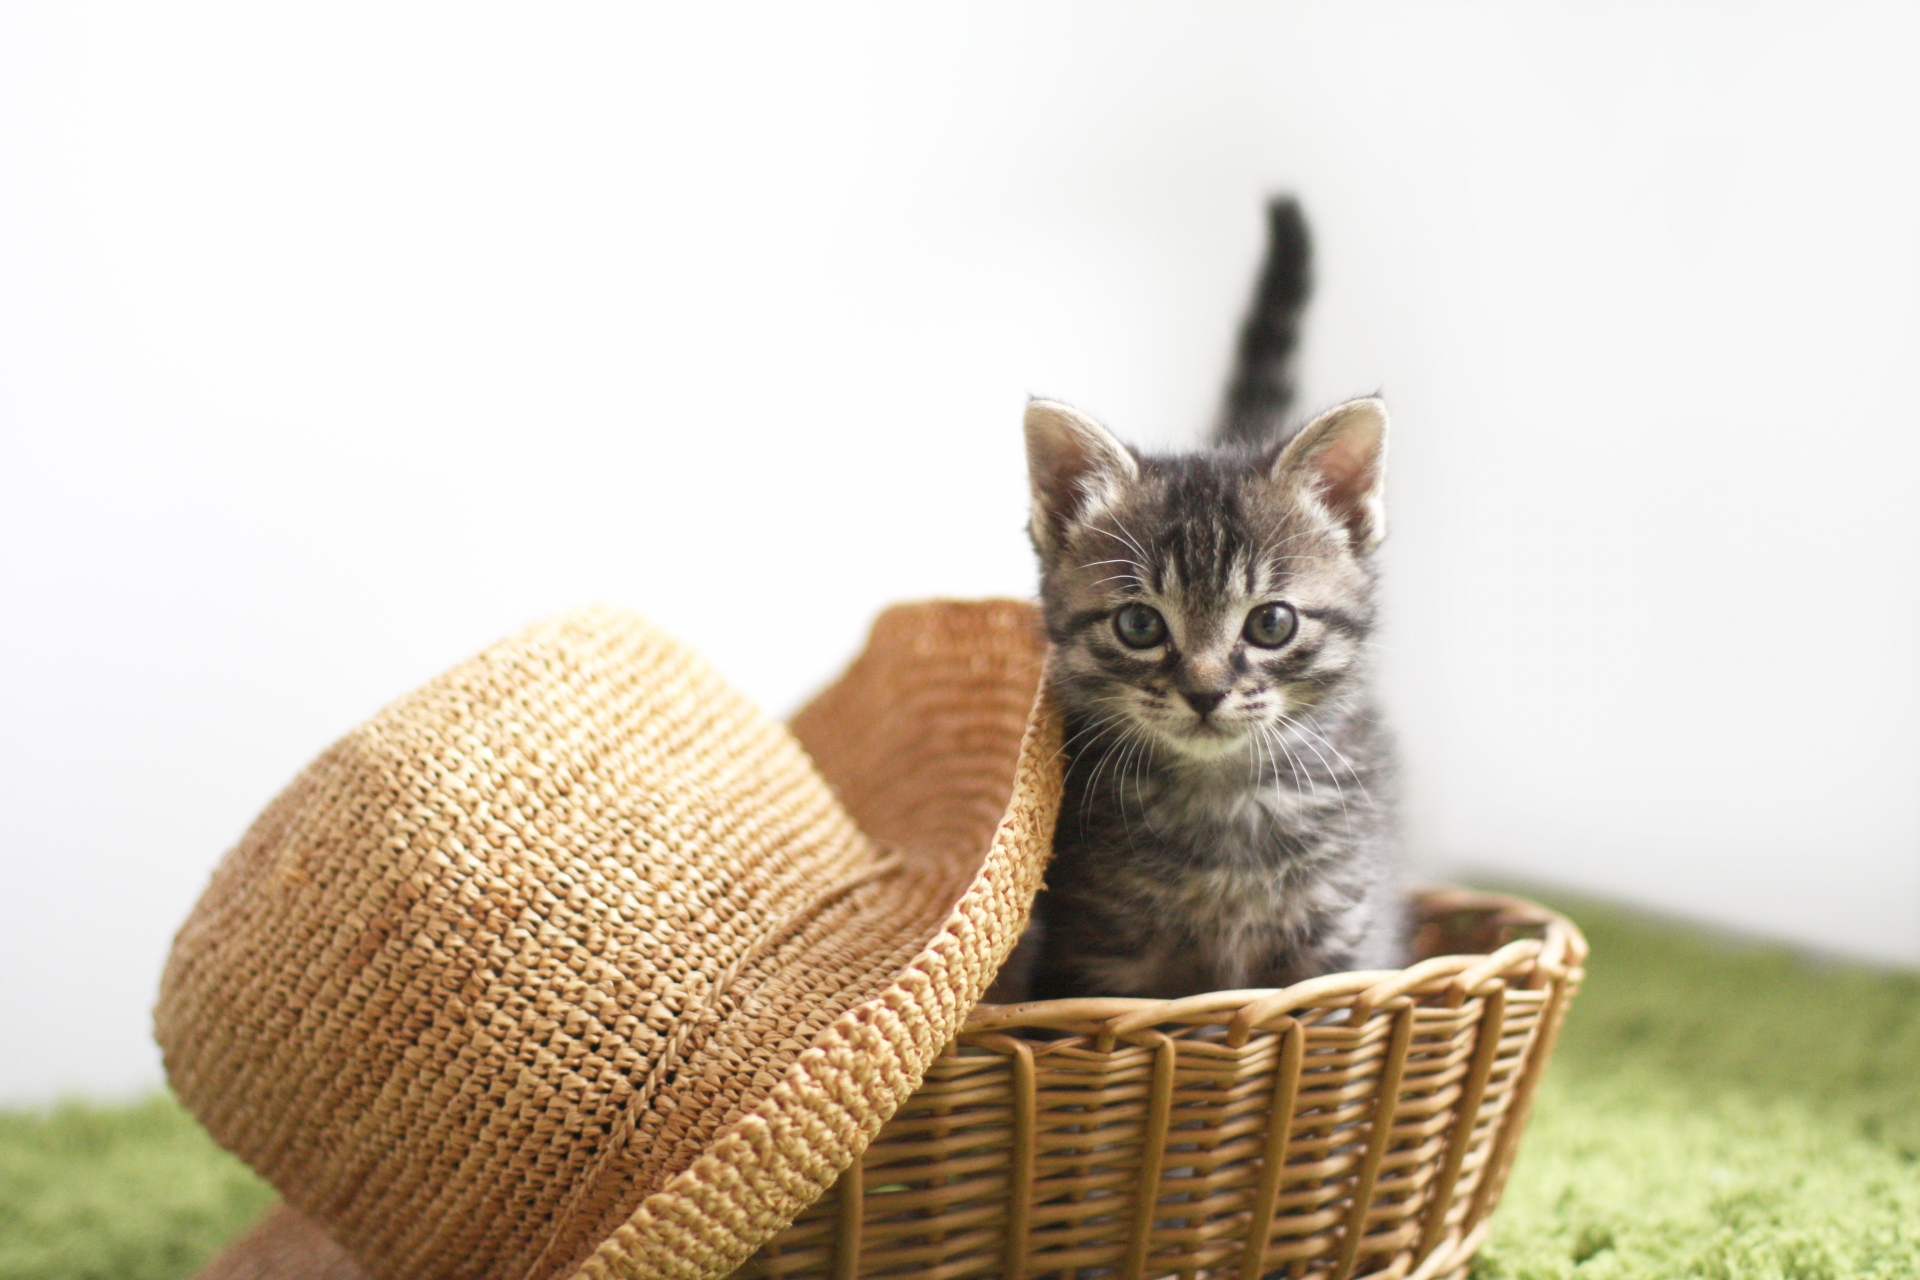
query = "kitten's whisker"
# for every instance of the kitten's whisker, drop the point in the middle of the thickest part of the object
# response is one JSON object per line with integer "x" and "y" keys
{"x": 1126, "y": 536}
{"x": 1105, "y": 727}
{"x": 1093, "y": 782}
{"x": 1338, "y": 790}
{"x": 1270, "y": 776}
{"x": 1124, "y": 753}
{"x": 1271, "y": 546}
{"x": 1353, "y": 770}
{"x": 1102, "y": 725}
{"x": 1115, "y": 755}
{"x": 1077, "y": 734}
{"x": 1273, "y": 764}
{"x": 1276, "y": 749}
{"x": 1119, "y": 534}
{"x": 1300, "y": 726}
{"x": 1296, "y": 768}
{"x": 1134, "y": 755}
{"x": 1303, "y": 731}
{"x": 1145, "y": 764}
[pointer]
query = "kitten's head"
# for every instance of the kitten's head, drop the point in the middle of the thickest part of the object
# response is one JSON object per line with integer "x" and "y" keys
{"x": 1206, "y": 598}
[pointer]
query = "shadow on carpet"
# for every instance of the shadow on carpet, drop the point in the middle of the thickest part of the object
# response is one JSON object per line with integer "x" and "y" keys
{"x": 1716, "y": 1111}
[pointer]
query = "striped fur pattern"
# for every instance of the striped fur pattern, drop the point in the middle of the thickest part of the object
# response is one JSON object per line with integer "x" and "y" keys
{"x": 1227, "y": 821}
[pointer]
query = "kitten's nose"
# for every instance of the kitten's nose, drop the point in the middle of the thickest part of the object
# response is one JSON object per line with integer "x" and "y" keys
{"x": 1203, "y": 700}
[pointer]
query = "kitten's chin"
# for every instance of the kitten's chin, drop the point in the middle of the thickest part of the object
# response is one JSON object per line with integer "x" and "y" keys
{"x": 1204, "y": 742}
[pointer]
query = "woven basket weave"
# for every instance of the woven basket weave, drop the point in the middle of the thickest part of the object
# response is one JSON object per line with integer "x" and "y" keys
{"x": 1355, "y": 1125}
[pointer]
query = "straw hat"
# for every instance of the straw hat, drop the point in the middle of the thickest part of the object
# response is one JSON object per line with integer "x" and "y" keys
{"x": 574, "y": 963}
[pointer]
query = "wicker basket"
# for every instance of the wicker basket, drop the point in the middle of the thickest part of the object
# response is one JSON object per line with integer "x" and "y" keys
{"x": 1355, "y": 1125}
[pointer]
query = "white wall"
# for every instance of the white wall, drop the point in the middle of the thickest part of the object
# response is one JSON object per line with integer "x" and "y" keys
{"x": 338, "y": 340}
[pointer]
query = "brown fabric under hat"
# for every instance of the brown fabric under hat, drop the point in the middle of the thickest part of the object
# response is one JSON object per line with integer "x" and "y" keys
{"x": 572, "y": 962}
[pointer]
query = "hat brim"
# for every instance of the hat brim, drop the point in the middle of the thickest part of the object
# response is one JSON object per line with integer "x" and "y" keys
{"x": 943, "y": 746}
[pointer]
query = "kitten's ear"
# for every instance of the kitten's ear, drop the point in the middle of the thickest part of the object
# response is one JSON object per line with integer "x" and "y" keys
{"x": 1341, "y": 457}
{"x": 1073, "y": 464}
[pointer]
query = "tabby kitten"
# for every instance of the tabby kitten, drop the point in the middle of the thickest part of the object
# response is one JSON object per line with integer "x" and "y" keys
{"x": 1227, "y": 821}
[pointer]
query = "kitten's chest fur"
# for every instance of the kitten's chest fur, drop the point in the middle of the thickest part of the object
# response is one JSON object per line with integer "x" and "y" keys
{"x": 1168, "y": 881}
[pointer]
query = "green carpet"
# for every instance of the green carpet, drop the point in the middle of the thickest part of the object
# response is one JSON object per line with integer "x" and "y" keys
{"x": 117, "y": 1193}
{"x": 1715, "y": 1112}
{"x": 1720, "y": 1112}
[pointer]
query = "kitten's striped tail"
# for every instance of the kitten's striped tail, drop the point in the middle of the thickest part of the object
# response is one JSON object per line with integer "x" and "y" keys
{"x": 1262, "y": 388}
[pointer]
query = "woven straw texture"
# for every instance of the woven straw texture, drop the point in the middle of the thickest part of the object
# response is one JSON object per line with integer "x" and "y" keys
{"x": 573, "y": 963}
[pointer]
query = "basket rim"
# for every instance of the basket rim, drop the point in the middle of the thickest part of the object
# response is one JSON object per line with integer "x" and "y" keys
{"x": 1560, "y": 950}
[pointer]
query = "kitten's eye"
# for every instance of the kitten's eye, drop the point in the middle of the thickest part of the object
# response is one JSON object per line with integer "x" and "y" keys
{"x": 1270, "y": 626}
{"x": 1139, "y": 627}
